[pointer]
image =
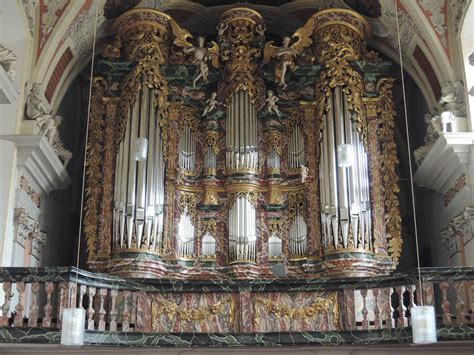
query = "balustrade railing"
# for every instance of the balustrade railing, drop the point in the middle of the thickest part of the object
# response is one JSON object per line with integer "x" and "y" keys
{"x": 36, "y": 297}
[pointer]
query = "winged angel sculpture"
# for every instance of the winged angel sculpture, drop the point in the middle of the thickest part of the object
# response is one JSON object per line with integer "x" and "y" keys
{"x": 286, "y": 54}
{"x": 200, "y": 54}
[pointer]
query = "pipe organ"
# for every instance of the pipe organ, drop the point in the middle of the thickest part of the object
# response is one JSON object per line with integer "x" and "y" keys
{"x": 218, "y": 159}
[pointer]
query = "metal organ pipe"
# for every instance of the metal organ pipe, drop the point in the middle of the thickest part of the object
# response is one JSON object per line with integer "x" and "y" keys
{"x": 296, "y": 149}
{"x": 345, "y": 195}
{"x": 139, "y": 185}
{"x": 241, "y": 134}
{"x": 242, "y": 231}
{"x": 297, "y": 239}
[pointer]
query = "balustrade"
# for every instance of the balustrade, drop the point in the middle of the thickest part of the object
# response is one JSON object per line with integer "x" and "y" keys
{"x": 116, "y": 304}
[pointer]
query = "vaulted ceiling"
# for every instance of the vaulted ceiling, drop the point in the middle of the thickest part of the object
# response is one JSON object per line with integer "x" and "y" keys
{"x": 63, "y": 32}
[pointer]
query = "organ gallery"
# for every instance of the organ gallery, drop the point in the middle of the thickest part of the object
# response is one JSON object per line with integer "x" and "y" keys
{"x": 233, "y": 154}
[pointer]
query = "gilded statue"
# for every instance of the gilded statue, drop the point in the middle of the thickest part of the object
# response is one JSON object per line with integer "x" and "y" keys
{"x": 200, "y": 55}
{"x": 271, "y": 101}
{"x": 304, "y": 173}
{"x": 287, "y": 54}
{"x": 210, "y": 104}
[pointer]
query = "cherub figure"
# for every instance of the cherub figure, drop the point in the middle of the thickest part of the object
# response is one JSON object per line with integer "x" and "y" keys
{"x": 260, "y": 29}
{"x": 201, "y": 55}
{"x": 221, "y": 28}
{"x": 210, "y": 104}
{"x": 272, "y": 106}
{"x": 304, "y": 172}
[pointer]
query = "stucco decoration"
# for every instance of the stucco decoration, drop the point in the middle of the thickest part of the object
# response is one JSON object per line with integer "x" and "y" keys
{"x": 452, "y": 98}
{"x": 409, "y": 32}
{"x": 26, "y": 228}
{"x": 50, "y": 12}
{"x": 435, "y": 11}
{"x": 30, "y": 6}
{"x": 433, "y": 130}
{"x": 460, "y": 226}
{"x": 458, "y": 8}
{"x": 8, "y": 61}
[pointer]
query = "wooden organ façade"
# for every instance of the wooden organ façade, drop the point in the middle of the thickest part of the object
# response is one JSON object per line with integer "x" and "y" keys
{"x": 227, "y": 155}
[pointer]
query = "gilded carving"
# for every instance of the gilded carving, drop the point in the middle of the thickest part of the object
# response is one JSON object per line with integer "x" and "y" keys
{"x": 175, "y": 311}
{"x": 241, "y": 43}
{"x": 211, "y": 197}
{"x": 389, "y": 164}
{"x": 275, "y": 196}
{"x": 317, "y": 306}
{"x": 94, "y": 173}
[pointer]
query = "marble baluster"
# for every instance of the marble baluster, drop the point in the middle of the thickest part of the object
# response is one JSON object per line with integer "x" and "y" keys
{"x": 365, "y": 312}
{"x": 63, "y": 299}
{"x": 113, "y": 311}
{"x": 7, "y": 289}
{"x": 90, "y": 309}
{"x": 389, "y": 310}
{"x": 458, "y": 287}
{"x": 377, "y": 319}
{"x": 33, "y": 316}
{"x": 48, "y": 307}
{"x": 444, "y": 286}
{"x": 82, "y": 293}
{"x": 101, "y": 312}
{"x": 18, "y": 319}
{"x": 402, "y": 320}
{"x": 428, "y": 293}
{"x": 126, "y": 312}
{"x": 411, "y": 296}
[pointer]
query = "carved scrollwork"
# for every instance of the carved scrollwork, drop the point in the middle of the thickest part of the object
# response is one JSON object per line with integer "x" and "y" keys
{"x": 317, "y": 306}
{"x": 241, "y": 48}
{"x": 389, "y": 164}
{"x": 94, "y": 172}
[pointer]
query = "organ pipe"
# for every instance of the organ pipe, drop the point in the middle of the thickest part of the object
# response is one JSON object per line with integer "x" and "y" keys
{"x": 297, "y": 239}
{"x": 345, "y": 196}
{"x": 185, "y": 240}
{"x": 187, "y": 150}
{"x": 296, "y": 149}
{"x": 241, "y": 134}
{"x": 273, "y": 162}
{"x": 275, "y": 249}
{"x": 242, "y": 231}
{"x": 139, "y": 185}
{"x": 208, "y": 246}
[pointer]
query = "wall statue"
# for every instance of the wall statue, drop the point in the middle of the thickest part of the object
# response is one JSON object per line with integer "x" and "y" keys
{"x": 452, "y": 98}
{"x": 8, "y": 61}
{"x": 38, "y": 109}
{"x": 434, "y": 129}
